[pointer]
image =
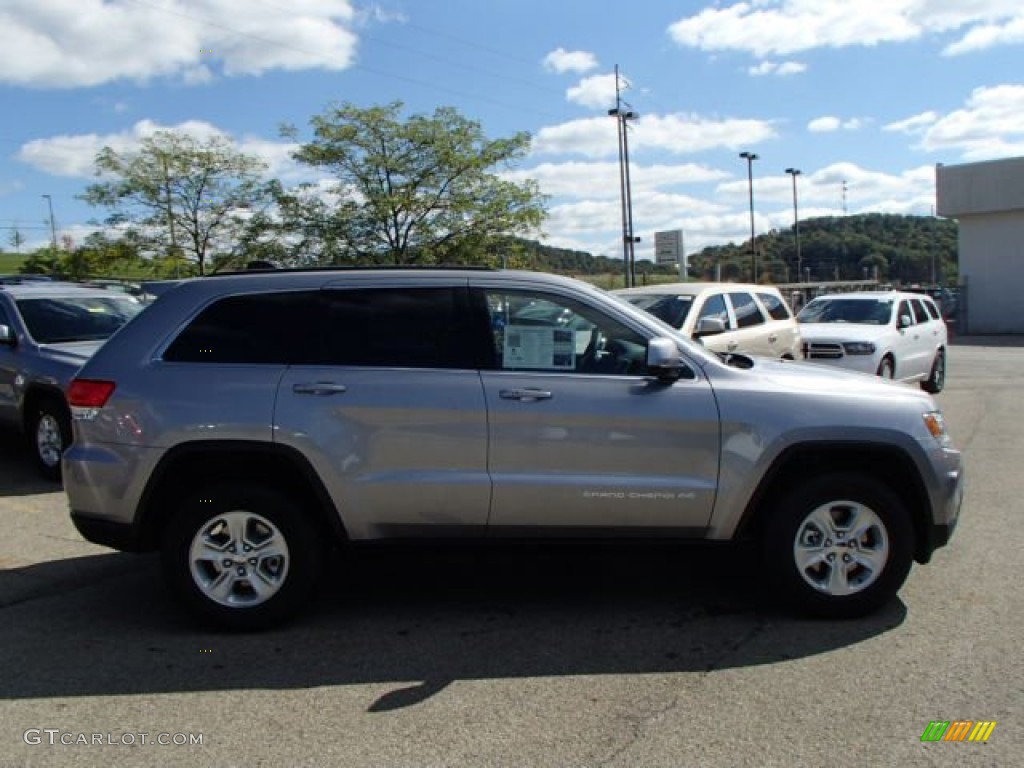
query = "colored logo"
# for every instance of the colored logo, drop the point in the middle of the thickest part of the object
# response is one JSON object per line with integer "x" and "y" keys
{"x": 958, "y": 730}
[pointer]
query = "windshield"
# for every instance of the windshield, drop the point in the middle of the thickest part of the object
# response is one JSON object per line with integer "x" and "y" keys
{"x": 669, "y": 308}
{"x": 862, "y": 311}
{"x": 56, "y": 319}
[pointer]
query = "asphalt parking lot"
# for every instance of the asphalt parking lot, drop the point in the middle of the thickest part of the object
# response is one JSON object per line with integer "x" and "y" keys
{"x": 557, "y": 657}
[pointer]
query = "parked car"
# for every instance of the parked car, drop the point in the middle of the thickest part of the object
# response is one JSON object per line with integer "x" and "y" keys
{"x": 896, "y": 335}
{"x": 47, "y": 330}
{"x": 249, "y": 426}
{"x": 726, "y": 317}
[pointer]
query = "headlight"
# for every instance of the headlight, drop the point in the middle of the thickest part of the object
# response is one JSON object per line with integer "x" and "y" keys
{"x": 859, "y": 347}
{"x": 936, "y": 426}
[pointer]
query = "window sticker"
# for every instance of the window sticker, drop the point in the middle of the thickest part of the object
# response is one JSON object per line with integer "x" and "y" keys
{"x": 527, "y": 346}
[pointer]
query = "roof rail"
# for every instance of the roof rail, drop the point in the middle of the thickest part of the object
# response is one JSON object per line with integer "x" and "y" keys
{"x": 262, "y": 270}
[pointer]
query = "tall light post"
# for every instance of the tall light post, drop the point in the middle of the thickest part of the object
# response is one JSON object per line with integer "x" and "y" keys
{"x": 750, "y": 157}
{"x": 628, "y": 240}
{"x": 53, "y": 226}
{"x": 794, "y": 172}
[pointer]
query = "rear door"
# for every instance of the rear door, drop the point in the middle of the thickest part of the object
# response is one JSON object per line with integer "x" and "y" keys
{"x": 752, "y": 333}
{"x": 393, "y": 416}
{"x": 582, "y": 440}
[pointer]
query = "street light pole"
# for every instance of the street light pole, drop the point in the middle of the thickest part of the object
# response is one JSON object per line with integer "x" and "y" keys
{"x": 53, "y": 226}
{"x": 794, "y": 172}
{"x": 750, "y": 157}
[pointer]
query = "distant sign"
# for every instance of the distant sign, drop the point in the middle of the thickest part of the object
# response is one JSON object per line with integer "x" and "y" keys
{"x": 668, "y": 246}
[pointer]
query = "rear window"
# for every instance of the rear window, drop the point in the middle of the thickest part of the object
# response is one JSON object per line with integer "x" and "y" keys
{"x": 262, "y": 328}
{"x": 747, "y": 313}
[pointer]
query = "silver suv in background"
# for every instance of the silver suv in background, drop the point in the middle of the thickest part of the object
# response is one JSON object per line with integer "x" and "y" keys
{"x": 47, "y": 330}
{"x": 245, "y": 424}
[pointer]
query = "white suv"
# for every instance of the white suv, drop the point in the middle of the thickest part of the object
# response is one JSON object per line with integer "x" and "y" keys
{"x": 726, "y": 317}
{"x": 894, "y": 335}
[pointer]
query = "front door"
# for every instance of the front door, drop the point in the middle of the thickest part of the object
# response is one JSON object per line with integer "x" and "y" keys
{"x": 582, "y": 439}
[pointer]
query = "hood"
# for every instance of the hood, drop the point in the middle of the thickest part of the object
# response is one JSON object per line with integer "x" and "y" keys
{"x": 801, "y": 376}
{"x": 843, "y": 332}
{"x": 73, "y": 353}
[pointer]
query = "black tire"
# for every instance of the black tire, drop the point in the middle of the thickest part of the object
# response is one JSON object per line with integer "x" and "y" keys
{"x": 937, "y": 376}
{"x": 887, "y": 368}
{"x": 859, "y": 589}
{"x": 289, "y": 575}
{"x": 49, "y": 435}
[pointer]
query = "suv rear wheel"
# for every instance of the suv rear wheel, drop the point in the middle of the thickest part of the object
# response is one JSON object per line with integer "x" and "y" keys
{"x": 241, "y": 556}
{"x": 839, "y": 546}
{"x": 49, "y": 430}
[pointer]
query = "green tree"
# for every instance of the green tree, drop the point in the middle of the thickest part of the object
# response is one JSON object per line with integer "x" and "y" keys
{"x": 425, "y": 189}
{"x": 179, "y": 196}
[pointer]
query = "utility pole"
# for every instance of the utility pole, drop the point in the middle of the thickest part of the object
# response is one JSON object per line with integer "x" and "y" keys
{"x": 625, "y": 188}
{"x": 794, "y": 172}
{"x": 842, "y": 231}
{"x": 750, "y": 157}
{"x": 53, "y": 225}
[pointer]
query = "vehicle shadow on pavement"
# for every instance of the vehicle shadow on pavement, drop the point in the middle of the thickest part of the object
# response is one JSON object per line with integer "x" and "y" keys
{"x": 433, "y": 615}
{"x": 18, "y": 475}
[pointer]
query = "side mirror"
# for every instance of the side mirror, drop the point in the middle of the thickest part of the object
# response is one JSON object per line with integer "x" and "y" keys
{"x": 905, "y": 321}
{"x": 709, "y": 326}
{"x": 7, "y": 337}
{"x": 664, "y": 359}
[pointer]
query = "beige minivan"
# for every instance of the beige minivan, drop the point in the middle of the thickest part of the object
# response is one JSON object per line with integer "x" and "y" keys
{"x": 726, "y": 317}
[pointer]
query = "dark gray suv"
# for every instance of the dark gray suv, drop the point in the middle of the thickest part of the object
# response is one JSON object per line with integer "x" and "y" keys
{"x": 47, "y": 330}
{"x": 245, "y": 425}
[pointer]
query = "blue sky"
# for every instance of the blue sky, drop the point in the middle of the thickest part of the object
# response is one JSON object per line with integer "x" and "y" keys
{"x": 872, "y": 93}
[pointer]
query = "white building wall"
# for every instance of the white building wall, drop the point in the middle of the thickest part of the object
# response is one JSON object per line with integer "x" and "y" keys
{"x": 987, "y": 200}
{"x": 992, "y": 266}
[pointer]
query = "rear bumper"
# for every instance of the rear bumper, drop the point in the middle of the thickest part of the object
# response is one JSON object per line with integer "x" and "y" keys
{"x": 108, "y": 533}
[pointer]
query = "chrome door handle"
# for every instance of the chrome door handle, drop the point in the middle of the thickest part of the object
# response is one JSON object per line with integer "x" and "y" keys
{"x": 318, "y": 388}
{"x": 524, "y": 395}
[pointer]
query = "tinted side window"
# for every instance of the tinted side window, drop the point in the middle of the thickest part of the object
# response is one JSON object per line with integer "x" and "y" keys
{"x": 400, "y": 327}
{"x": 714, "y": 306}
{"x": 905, "y": 311}
{"x": 267, "y": 328}
{"x": 747, "y": 313}
{"x": 932, "y": 309}
{"x": 775, "y": 306}
{"x": 920, "y": 314}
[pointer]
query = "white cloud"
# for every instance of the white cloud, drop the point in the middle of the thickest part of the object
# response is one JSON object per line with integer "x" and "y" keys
{"x": 782, "y": 27}
{"x": 916, "y": 124}
{"x": 777, "y": 68}
{"x": 562, "y": 61}
{"x": 71, "y": 43}
{"x": 830, "y": 123}
{"x": 597, "y": 92}
{"x": 74, "y": 155}
{"x": 676, "y": 133}
{"x": 989, "y": 125}
{"x": 988, "y": 36}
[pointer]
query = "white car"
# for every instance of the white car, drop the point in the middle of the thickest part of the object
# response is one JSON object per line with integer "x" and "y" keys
{"x": 725, "y": 317}
{"x": 895, "y": 335}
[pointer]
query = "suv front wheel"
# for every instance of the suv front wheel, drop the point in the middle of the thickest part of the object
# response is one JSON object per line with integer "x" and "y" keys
{"x": 839, "y": 546}
{"x": 241, "y": 556}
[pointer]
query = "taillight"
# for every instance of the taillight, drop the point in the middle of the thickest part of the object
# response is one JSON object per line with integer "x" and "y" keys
{"x": 90, "y": 393}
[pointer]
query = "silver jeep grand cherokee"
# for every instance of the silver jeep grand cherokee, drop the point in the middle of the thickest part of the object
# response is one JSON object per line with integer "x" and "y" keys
{"x": 245, "y": 423}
